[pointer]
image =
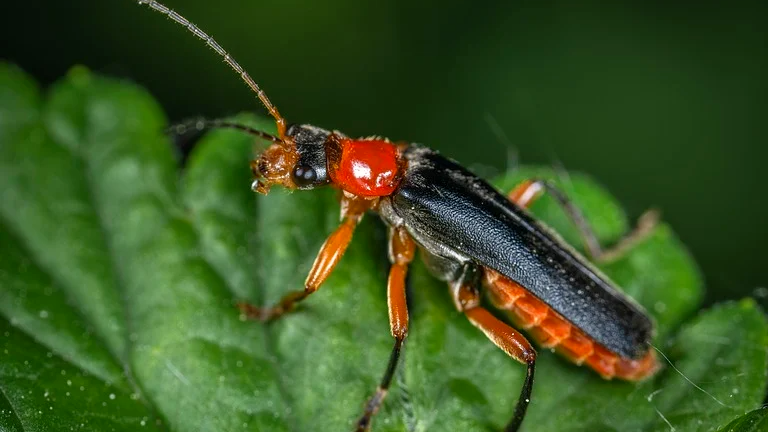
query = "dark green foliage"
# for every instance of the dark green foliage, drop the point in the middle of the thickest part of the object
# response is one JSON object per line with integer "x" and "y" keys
{"x": 118, "y": 277}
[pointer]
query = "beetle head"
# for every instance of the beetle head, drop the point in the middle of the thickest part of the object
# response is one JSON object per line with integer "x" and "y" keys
{"x": 298, "y": 162}
{"x": 297, "y": 158}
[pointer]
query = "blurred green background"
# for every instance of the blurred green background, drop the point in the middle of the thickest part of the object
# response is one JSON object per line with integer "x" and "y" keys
{"x": 665, "y": 104}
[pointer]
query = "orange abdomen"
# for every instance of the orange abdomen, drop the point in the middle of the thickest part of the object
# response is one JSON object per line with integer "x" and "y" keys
{"x": 551, "y": 330}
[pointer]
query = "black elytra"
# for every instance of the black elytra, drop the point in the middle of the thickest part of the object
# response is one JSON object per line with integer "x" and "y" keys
{"x": 459, "y": 219}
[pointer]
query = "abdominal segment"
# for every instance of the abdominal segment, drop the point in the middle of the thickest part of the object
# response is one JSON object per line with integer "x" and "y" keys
{"x": 551, "y": 330}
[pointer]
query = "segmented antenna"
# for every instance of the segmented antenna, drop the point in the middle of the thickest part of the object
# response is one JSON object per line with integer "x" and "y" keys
{"x": 159, "y": 7}
{"x": 202, "y": 124}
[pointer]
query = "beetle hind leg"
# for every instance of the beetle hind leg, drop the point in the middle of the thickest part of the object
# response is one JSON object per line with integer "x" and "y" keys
{"x": 513, "y": 343}
{"x": 528, "y": 191}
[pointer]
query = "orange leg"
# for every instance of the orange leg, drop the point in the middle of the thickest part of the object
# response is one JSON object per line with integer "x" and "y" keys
{"x": 528, "y": 191}
{"x": 330, "y": 254}
{"x": 401, "y": 251}
{"x": 512, "y": 342}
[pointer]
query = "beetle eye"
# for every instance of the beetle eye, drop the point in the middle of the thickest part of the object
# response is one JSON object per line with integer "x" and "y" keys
{"x": 304, "y": 176}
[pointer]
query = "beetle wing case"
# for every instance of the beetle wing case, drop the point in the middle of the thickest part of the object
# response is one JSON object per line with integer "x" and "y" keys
{"x": 460, "y": 215}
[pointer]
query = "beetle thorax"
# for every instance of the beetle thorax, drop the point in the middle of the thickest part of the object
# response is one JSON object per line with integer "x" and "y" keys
{"x": 365, "y": 167}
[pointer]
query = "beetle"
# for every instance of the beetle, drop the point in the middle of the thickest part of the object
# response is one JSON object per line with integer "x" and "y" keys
{"x": 468, "y": 234}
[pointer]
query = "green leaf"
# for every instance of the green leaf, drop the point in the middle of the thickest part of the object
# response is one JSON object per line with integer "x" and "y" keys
{"x": 753, "y": 421}
{"x": 119, "y": 274}
{"x": 705, "y": 351}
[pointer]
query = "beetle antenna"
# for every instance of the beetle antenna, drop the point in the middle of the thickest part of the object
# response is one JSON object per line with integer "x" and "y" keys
{"x": 159, "y": 7}
{"x": 202, "y": 124}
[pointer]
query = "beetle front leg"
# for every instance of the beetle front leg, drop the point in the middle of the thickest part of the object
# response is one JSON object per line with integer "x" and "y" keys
{"x": 528, "y": 191}
{"x": 401, "y": 251}
{"x": 330, "y": 254}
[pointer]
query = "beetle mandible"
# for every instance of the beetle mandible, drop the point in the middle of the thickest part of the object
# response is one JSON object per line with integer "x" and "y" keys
{"x": 468, "y": 234}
